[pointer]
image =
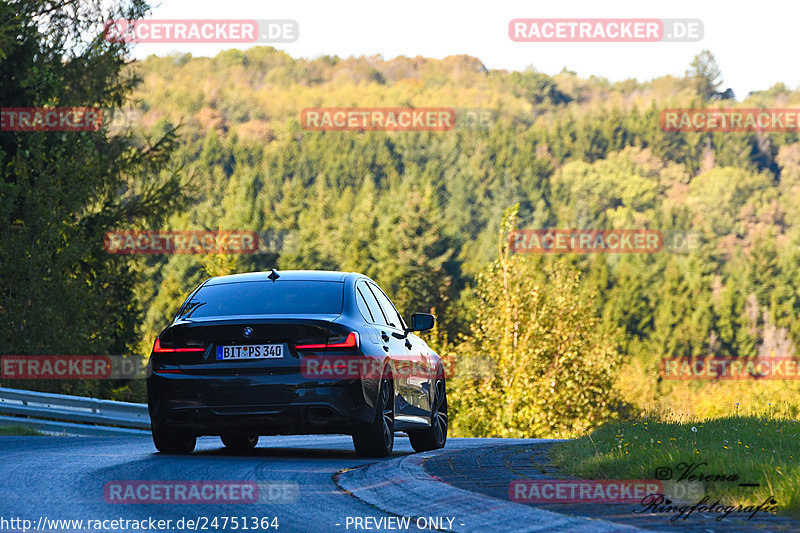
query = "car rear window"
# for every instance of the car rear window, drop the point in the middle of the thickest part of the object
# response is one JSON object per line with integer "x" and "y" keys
{"x": 265, "y": 298}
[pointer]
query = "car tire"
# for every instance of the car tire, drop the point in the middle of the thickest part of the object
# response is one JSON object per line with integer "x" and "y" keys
{"x": 238, "y": 442}
{"x": 171, "y": 440}
{"x": 434, "y": 437}
{"x": 377, "y": 439}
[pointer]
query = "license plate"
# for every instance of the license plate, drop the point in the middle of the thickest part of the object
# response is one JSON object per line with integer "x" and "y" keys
{"x": 252, "y": 351}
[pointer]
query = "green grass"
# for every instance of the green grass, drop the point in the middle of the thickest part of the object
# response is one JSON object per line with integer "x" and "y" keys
{"x": 758, "y": 450}
{"x": 19, "y": 430}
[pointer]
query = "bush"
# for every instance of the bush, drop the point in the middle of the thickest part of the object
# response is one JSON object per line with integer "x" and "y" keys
{"x": 538, "y": 362}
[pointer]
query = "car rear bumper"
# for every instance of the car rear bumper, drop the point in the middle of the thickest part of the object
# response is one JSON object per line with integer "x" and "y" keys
{"x": 279, "y": 404}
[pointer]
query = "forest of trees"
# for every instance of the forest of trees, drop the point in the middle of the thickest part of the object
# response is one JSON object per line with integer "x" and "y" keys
{"x": 208, "y": 143}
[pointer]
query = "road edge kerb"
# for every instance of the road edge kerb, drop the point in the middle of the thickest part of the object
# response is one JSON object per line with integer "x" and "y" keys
{"x": 402, "y": 487}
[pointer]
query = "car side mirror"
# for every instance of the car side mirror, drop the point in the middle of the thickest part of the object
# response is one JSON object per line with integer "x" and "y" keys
{"x": 421, "y": 322}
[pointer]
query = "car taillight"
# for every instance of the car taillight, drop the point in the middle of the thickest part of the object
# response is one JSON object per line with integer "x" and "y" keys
{"x": 158, "y": 349}
{"x": 350, "y": 342}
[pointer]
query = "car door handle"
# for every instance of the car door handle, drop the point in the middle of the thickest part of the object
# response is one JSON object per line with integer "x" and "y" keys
{"x": 385, "y": 348}
{"x": 384, "y": 336}
{"x": 408, "y": 344}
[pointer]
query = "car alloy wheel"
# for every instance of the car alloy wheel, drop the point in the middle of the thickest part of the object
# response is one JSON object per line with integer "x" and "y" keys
{"x": 434, "y": 437}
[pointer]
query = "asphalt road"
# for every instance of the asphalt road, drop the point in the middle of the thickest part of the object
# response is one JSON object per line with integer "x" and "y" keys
{"x": 306, "y": 483}
{"x": 63, "y": 478}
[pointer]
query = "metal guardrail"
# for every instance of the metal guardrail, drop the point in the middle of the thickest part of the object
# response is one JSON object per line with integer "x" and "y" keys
{"x": 72, "y": 415}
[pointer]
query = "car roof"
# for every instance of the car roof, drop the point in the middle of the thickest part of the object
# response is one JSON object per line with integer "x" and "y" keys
{"x": 284, "y": 275}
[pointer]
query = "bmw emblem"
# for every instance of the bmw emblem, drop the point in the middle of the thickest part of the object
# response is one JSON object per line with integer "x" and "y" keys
{"x": 248, "y": 331}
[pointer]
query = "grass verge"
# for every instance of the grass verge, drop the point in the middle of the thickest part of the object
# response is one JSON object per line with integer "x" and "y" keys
{"x": 754, "y": 449}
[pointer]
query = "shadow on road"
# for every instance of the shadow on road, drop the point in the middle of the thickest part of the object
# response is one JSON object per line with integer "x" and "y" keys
{"x": 289, "y": 453}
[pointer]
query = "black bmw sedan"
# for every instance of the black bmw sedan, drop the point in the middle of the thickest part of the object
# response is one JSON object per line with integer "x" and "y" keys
{"x": 295, "y": 352}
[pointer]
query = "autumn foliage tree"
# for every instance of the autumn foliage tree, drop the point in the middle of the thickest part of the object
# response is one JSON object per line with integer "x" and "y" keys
{"x": 538, "y": 362}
